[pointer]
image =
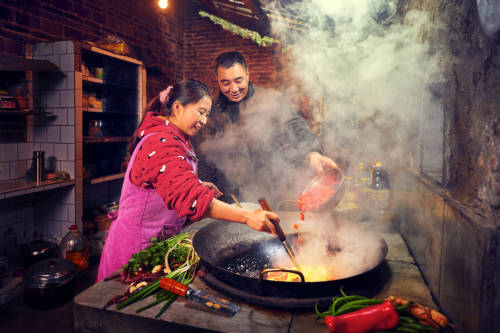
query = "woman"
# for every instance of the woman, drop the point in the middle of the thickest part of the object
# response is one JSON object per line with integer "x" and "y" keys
{"x": 161, "y": 189}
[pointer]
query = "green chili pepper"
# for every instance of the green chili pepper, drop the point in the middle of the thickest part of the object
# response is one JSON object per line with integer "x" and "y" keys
{"x": 418, "y": 326}
{"x": 339, "y": 302}
{"x": 365, "y": 302}
{"x": 350, "y": 309}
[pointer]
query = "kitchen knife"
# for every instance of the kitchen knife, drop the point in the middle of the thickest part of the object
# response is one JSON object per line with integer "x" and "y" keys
{"x": 212, "y": 302}
{"x": 279, "y": 232}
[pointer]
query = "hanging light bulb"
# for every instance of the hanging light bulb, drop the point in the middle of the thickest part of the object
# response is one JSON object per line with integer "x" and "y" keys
{"x": 163, "y": 4}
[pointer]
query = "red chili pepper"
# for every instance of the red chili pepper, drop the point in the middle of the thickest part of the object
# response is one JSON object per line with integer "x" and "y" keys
{"x": 302, "y": 216}
{"x": 380, "y": 317}
{"x": 296, "y": 226}
{"x": 314, "y": 197}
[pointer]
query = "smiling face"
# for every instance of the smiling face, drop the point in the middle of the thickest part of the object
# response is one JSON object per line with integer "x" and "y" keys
{"x": 233, "y": 82}
{"x": 192, "y": 117}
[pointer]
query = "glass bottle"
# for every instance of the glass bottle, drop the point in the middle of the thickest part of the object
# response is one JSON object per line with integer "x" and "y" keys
{"x": 74, "y": 247}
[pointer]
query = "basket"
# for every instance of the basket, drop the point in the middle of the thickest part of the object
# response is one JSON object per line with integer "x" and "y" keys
{"x": 103, "y": 222}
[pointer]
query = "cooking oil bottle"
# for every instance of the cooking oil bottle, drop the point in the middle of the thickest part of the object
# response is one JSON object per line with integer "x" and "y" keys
{"x": 74, "y": 247}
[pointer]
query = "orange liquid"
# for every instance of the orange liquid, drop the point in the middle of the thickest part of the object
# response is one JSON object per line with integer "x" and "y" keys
{"x": 80, "y": 258}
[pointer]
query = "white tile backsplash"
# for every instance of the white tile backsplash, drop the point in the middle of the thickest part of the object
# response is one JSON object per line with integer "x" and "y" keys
{"x": 67, "y": 134}
{"x": 71, "y": 116}
{"x": 40, "y": 133}
{"x": 4, "y": 170}
{"x": 53, "y": 228}
{"x": 61, "y": 212}
{"x": 53, "y": 134}
{"x": 70, "y": 80}
{"x": 67, "y": 98}
{"x": 60, "y": 47}
{"x": 52, "y": 98}
{"x": 55, "y": 59}
{"x": 71, "y": 213}
{"x": 61, "y": 151}
{"x": 67, "y": 62}
{"x": 69, "y": 167}
{"x": 48, "y": 148}
{"x": 71, "y": 152}
{"x": 8, "y": 152}
{"x": 25, "y": 151}
{"x": 18, "y": 169}
{"x": 59, "y": 116}
{"x": 42, "y": 49}
{"x": 51, "y": 211}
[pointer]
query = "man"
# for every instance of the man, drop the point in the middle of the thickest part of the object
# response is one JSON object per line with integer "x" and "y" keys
{"x": 257, "y": 130}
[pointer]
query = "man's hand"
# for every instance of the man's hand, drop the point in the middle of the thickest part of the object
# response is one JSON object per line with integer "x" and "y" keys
{"x": 321, "y": 164}
{"x": 213, "y": 187}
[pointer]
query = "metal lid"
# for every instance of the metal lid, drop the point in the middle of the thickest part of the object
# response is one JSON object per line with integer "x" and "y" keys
{"x": 50, "y": 273}
{"x": 40, "y": 247}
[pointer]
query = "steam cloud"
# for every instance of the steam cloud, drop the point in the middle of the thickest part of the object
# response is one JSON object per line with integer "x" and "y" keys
{"x": 370, "y": 66}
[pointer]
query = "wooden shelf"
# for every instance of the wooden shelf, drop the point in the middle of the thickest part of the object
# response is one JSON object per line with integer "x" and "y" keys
{"x": 13, "y": 63}
{"x": 92, "y": 79}
{"x": 104, "y": 179}
{"x": 96, "y": 110}
{"x": 18, "y": 187}
{"x": 96, "y": 139}
{"x": 27, "y": 112}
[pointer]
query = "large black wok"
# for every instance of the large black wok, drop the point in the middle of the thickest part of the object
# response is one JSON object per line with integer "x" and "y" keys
{"x": 236, "y": 255}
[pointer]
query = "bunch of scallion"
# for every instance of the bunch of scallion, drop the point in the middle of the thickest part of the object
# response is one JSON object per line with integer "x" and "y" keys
{"x": 178, "y": 247}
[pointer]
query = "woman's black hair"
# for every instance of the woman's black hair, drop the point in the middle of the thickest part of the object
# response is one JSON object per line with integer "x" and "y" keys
{"x": 186, "y": 92}
{"x": 228, "y": 59}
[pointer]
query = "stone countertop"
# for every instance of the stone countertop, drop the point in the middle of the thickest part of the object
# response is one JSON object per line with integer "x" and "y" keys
{"x": 183, "y": 315}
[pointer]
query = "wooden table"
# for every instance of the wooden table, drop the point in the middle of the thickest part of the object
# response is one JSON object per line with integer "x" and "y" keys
{"x": 185, "y": 316}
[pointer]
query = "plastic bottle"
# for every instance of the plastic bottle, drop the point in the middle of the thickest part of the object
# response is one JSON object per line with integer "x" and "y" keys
{"x": 74, "y": 247}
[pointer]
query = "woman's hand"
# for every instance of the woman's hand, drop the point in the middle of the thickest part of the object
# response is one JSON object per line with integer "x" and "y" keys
{"x": 320, "y": 163}
{"x": 260, "y": 220}
{"x": 213, "y": 187}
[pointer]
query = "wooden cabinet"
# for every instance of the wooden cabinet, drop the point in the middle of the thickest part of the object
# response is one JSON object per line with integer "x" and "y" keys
{"x": 109, "y": 96}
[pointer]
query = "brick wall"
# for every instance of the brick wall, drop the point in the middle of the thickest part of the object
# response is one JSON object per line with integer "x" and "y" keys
{"x": 155, "y": 36}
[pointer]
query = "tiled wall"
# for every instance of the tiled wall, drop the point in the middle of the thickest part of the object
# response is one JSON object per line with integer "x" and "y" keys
{"x": 50, "y": 212}
{"x": 456, "y": 249}
{"x": 55, "y": 134}
{"x": 15, "y": 159}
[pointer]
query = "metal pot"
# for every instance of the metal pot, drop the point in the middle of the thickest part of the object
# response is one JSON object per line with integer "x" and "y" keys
{"x": 39, "y": 250}
{"x": 237, "y": 254}
{"x": 49, "y": 283}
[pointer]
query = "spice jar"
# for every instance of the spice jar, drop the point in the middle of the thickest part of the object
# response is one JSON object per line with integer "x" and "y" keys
{"x": 74, "y": 247}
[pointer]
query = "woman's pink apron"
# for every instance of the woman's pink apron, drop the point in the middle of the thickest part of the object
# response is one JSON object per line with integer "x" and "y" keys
{"x": 142, "y": 215}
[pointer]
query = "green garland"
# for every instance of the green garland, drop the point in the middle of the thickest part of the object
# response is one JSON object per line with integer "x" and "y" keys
{"x": 237, "y": 30}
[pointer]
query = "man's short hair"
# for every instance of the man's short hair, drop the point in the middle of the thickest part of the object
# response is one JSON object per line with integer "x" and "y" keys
{"x": 228, "y": 59}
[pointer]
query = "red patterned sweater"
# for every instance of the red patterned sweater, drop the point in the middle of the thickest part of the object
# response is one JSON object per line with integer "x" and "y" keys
{"x": 162, "y": 164}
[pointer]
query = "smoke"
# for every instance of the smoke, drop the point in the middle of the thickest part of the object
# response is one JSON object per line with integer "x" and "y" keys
{"x": 367, "y": 63}
{"x": 331, "y": 249}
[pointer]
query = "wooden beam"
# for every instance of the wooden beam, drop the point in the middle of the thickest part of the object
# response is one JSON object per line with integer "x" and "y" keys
{"x": 211, "y": 7}
{"x": 254, "y": 6}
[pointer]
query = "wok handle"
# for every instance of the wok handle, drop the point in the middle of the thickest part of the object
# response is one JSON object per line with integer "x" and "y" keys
{"x": 173, "y": 286}
{"x": 293, "y": 271}
{"x": 265, "y": 206}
